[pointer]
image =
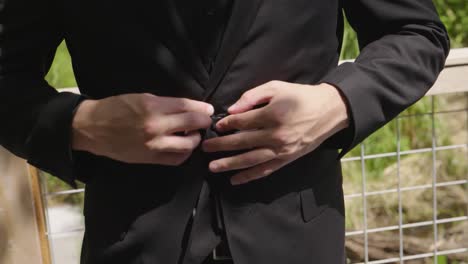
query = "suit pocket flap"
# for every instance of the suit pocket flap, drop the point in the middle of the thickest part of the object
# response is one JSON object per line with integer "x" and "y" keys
{"x": 310, "y": 209}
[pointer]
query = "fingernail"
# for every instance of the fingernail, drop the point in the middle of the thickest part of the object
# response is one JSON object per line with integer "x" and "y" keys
{"x": 210, "y": 109}
{"x": 232, "y": 107}
{"x": 214, "y": 167}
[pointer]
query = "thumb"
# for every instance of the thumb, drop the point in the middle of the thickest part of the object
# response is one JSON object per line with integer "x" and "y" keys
{"x": 259, "y": 95}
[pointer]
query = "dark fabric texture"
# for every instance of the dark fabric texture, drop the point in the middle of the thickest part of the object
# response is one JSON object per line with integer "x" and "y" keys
{"x": 141, "y": 214}
{"x": 205, "y": 22}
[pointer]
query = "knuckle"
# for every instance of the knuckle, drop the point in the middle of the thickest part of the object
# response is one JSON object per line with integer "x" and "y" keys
{"x": 251, "y": 160}
{"x": 196, "y": 119}
{"x": 194, "y": 145}
{"x": 196, "y": 139}
{"x": 281, "y": 137}
{"x": 184, "y": 104}
{"x": 274, "y": 84}
{"x": 186, "y": 148}
{"x": 277, "y": 153}
{"x": 287, "y": 152}
{"x": 148, "y": 101}
{"x": 202, "y": 120}
{"x": 236, "y": 143}
{"x": 244, "y": 178}
{"x": 162, "y": 146}
{"x": 191, "y": 118}
{"x": 247, "y": 96}
{"x": 232, "y": 121}
{"x": 271, "y": 154}
{"x": 149, "y": 146}
{"x": 275, "y": 114}
{"x": 207, "y": 121}
{"x": 266, "y": 172}
{"x": 148, "y": 95}
{"x": 150, "y": 128}
{"x": 222, "y": 164}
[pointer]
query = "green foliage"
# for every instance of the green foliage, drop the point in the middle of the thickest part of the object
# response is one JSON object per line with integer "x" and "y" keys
{"x": 61, "y": 73}
{"x": 415, "y": 132}
{"x": 454, "y": 14}
{"x": 54, "y": 184}
{"x": 442, "y": 260}
{"x": 350, "y": 48}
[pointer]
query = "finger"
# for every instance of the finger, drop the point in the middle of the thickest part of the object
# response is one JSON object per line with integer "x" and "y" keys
{"x": 242, "y": 161}
{"x": 174, "y": 105}
{"x": 258, "y": 95}
{"x": 239, "y": 141}
{"x": 185, "y": 122}
{"x": 257, "y": 172}
{"x": 175, "y": 144}
{"x": 169, "y": 158}
{"x": 253, "y": 119}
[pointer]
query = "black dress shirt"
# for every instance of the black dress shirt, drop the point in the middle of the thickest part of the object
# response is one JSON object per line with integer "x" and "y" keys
{"x": 206, "y": 22}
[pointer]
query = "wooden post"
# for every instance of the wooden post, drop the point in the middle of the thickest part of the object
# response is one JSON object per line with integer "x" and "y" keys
{"x": 40, "y": 217}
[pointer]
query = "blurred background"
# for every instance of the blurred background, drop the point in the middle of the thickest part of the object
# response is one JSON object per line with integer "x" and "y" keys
{"x": 406, "y": 185}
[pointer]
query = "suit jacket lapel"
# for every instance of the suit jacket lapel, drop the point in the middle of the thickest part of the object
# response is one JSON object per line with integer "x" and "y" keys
{"x": 242, "y": 16}
{"x": 184, "y": 46}
{"x": 171, "y": 31}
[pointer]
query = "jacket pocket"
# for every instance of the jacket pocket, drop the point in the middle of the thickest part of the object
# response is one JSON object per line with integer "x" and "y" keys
{"x": 310, "y": 209}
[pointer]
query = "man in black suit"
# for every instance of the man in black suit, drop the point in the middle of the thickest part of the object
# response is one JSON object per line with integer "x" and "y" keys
{"x": 210, "y": 130}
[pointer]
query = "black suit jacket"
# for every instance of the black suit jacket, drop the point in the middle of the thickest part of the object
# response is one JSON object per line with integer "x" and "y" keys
{"x": 138, "y": 213}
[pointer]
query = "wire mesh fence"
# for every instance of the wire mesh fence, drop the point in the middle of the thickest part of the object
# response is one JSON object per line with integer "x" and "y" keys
{"x": 416, "y": 173}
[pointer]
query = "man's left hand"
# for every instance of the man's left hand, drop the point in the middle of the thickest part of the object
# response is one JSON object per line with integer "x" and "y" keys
{"x": 295, "y": 120}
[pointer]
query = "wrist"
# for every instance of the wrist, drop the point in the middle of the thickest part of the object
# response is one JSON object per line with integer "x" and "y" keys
{"x": 80, "y": 138}
{"x": 338, "y": 107}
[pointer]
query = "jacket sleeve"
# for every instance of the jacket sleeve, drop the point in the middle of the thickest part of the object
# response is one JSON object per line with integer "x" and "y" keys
{"x": 403, "y": 49}
{"x": 36, "y": 119}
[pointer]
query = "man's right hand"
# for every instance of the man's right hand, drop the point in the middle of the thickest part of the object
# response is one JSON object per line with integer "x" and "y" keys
{"x": 141, "y": 128}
